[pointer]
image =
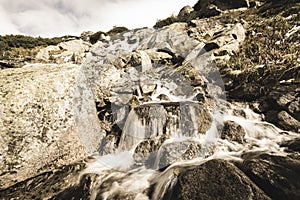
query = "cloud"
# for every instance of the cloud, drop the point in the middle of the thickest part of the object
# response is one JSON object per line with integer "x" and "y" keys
{"x": 6, "y": 25}
{"x": 50, "y": 18}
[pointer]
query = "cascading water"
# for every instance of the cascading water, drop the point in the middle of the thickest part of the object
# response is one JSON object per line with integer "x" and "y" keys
{"x": 171, "y": 122}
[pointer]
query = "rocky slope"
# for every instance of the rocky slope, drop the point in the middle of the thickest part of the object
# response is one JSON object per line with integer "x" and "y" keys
{"x": 151, "y": 105}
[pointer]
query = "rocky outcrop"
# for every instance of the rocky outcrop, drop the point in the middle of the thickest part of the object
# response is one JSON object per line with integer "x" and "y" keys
{"x": 48, "y": 119}
{"x": 73, "y": 51}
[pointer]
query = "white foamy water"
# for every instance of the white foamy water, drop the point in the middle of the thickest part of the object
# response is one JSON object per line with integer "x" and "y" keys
{"x": 117, "y": 174}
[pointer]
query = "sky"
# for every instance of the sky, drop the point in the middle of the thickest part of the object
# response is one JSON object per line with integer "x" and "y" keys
{"x": 49, "y": 18}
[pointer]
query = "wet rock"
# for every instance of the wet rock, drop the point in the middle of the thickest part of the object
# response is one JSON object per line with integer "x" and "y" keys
{"x": 294, "y": 108}
{"x": 48, "y": 119}
{"x": 292, "y": 145}
{"x": 182, "y": 151}
{"x": 215, "y": 179}
{"x": 277, "y": 176}
{"x": 146, "y": 151}
{"x": 288, "y": 122}
{"x": 233, "y": 132}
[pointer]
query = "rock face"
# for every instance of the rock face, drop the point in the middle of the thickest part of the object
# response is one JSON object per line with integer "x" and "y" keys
{"x": 48, "y": 119}
{"x": 215, "y": 179}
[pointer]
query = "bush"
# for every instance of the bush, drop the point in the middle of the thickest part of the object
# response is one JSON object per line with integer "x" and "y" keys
{"x": 116, "y": 30}
{"x": 11, "y": 43}
{"x": 165, "y": 22}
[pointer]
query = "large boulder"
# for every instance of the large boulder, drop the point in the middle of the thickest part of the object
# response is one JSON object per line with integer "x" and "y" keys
{"x": 215, "y": 179}
{"x": 276, "y": 175}
{"x": 47, "y": 119}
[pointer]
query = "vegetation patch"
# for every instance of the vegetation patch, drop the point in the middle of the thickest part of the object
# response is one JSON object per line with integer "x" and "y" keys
{"x": 267, "y": 56}
{"x": 166, "y": 22}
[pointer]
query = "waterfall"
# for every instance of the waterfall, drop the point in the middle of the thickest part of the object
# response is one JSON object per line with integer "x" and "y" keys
{"x": 175, "y": 121}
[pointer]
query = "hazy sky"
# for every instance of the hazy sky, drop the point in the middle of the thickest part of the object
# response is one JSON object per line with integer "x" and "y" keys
{"x": 62, "y": 17}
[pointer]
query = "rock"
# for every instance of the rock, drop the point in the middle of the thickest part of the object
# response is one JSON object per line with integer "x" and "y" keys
{"x": 85, "y": 36}
{"x": 277, "y": 176}
{"x": 170, "y": 118}
{"x": 285, "y": 99}
{"x": 44, "y": 54}
{"x": 233, "y": 132}
{"x": 140, "y": 59}
{"x": 215, "y": 179}
{"x": 184, "y": 13}
{"x": 62, "y": 183}
{"x": 288, "y": 122}
{"x": 292, "y": 145}
{"x": 209, "y": 8}
{"x": 48, "y": 119}
{"x": 294, "y": 108}
{"x": 170, "y": 153}
{"x": 233, "y": 4}
{"x": 156, "y": 56}
{"x": 146, "y": 152}
{"x": 73, "y": 51}
{"x": 221, "y": 4}
{"x": 223, "y": 39}
{"x": 147, "y": 86}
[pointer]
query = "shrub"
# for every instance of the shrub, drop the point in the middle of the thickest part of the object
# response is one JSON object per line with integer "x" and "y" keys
{"x": 10, "y": 44}
{"x": 116, "y": 30}
{"x": 165, "y": 22}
